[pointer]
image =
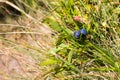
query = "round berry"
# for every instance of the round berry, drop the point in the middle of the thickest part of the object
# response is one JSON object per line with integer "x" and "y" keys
{"x": 83, "y": 31}
{"x": 77, "y": 34}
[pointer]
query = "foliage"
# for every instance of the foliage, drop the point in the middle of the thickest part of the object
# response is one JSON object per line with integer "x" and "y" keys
{"x": 94, "y": 56}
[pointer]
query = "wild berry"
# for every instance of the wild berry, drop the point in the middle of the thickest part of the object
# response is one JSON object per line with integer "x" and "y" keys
{"x": 77, "y": 34}
{"x": 82, "y": 32}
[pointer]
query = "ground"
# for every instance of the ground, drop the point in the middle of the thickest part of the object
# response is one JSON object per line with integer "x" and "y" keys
{"x": 21, "y": 53}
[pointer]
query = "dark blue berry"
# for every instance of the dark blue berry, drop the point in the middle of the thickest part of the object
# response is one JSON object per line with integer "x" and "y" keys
{"x": 77, "y": 34}
{"x": 83, "y": 31}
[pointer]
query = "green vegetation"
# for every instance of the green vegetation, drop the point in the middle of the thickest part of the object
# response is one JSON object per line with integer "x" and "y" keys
{"x": 95, "y": 56}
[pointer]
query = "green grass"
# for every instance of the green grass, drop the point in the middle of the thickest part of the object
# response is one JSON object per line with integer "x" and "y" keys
{"x": 98, "y": 54}
{"x": 94, "y": 57}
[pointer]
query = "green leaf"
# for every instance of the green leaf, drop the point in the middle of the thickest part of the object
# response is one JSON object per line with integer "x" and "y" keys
{"x": 70, "y": 56}
{"x": 60, "y": 47}
{"x": 53, "y": 24}
{"x": 48, "y": 62}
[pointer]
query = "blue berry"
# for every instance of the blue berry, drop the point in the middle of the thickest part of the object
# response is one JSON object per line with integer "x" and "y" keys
{"x": 83, "y": 31}
{"x": 80, "y": 32}
{"x": 77, "y": 34}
